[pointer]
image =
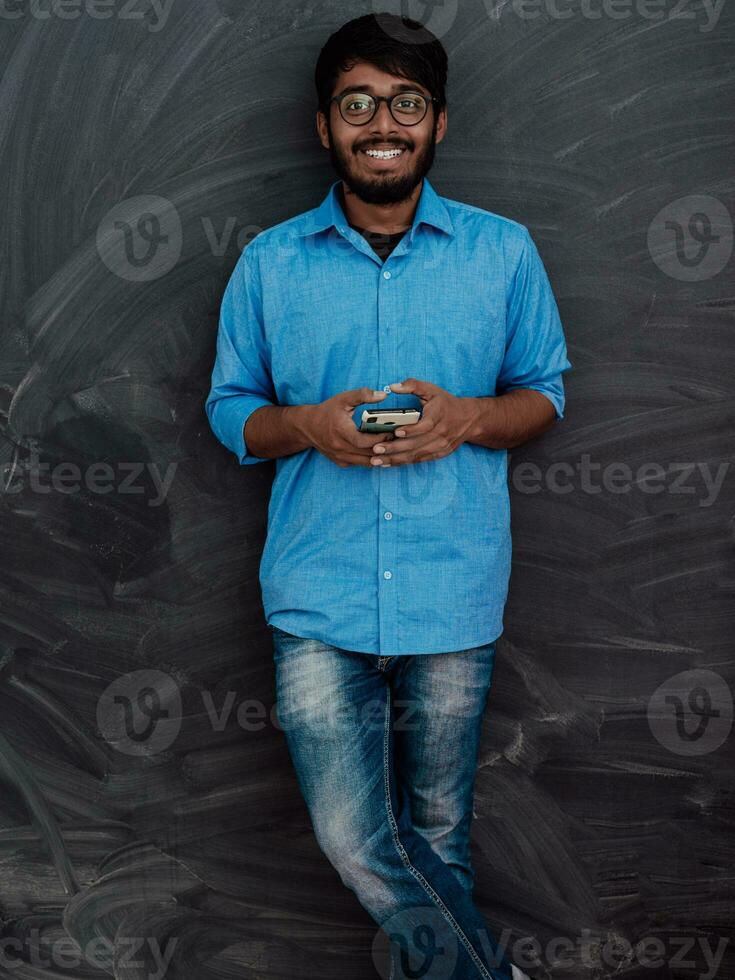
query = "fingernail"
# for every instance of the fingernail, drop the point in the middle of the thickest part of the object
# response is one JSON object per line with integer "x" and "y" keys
{"x": 400, "y": 432}
{"x": 377, "y": 462}
{"x": 379, "y": 449}
{"x": 378, "y": 393}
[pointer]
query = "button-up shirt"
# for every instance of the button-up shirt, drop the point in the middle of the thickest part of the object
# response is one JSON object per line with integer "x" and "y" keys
{"x": 412, "y": 559}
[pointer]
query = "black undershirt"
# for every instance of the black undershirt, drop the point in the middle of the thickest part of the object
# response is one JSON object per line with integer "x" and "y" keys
{"x": 380, "y": 243}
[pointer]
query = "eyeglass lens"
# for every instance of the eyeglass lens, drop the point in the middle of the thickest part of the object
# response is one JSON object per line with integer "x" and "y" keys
{"x": 407, "y": 107}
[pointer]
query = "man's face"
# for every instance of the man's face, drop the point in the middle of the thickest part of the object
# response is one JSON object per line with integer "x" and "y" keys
{"x": 380, "y": 181}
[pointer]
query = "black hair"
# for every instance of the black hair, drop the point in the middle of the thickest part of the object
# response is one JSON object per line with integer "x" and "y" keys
{"x": 396, "y": 45}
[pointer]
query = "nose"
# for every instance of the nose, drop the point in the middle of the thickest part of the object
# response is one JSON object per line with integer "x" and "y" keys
{"x": 382, "y": 121}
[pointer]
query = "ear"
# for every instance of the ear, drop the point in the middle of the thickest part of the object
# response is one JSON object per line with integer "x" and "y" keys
{"x": 441, "y": 125}
{"x": 322, "y": 129}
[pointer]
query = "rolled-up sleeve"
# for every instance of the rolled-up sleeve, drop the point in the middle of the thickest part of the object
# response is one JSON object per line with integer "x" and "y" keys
{"x": 241, "y": 378}
{"x": 535, "y": 348}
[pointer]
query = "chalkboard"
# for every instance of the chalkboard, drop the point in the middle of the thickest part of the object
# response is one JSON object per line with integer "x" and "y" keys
{"x": 149, "y": 816}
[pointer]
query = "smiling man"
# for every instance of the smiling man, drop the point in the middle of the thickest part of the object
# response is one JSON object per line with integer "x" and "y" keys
{"x": 386, "y": 566}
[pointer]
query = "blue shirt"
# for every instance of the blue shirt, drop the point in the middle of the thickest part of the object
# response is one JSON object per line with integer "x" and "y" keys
{"x": 414, "y": 559}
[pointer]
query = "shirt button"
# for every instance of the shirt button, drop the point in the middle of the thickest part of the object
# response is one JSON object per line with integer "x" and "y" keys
{"x": 388, "y": 389}
{"x": 387, "y": 575}
{"x": 387, "y": 515}
{"x": 386, "y": 275}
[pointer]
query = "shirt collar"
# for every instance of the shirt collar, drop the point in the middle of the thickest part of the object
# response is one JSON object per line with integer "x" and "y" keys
{"x": 431, "y": 210}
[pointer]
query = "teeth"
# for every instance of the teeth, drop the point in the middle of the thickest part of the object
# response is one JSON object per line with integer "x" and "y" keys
{"x": 384, "y": 154}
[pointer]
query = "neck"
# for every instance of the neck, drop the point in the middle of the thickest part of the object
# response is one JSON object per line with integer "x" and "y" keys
{"x": 386, "y": 219}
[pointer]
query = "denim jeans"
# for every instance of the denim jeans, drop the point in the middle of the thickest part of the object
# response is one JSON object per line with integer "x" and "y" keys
{"x": 385, "y": 753}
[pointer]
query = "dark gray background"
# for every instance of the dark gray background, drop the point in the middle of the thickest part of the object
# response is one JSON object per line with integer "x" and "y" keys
{"x": 593, "y": 811}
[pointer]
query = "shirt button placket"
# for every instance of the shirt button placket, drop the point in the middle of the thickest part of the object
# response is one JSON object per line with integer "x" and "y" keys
{"x": 387, "y": 528}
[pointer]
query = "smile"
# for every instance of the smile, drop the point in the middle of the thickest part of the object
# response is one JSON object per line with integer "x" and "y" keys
{"x": 384, "y": 154}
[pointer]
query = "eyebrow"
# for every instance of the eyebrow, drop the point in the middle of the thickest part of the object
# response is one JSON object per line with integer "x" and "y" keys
{"x": 397, "y": 87}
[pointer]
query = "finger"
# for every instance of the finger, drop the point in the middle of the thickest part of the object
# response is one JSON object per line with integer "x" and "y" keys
{"x": 424, "y": 389}
{"x": 354, "y": 459}
{"x": 422, "y": 427}
{"x": 364, "y": 442}
{"x": 407, "y": 443}
{"x": 424, "y": 453}
{"x": 360, "y": 396}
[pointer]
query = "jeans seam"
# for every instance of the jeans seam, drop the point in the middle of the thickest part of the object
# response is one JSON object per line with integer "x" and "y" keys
{"x": 404, "y": 855}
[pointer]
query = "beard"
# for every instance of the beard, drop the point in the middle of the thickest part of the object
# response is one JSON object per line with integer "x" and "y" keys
{"x": 383, "y": 188}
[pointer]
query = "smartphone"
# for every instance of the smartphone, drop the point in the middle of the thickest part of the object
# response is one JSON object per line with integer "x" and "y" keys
{"x": 387, "y": 419}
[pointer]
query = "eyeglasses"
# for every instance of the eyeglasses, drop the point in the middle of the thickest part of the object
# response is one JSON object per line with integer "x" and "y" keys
{"x": 407, "y": 108}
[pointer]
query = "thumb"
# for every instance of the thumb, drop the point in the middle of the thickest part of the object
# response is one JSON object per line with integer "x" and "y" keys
{"x": 361, "y": 396}
{"x": 413, "y": 386}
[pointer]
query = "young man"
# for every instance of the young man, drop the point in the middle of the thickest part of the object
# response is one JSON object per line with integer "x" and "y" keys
{"x": 385, "y": 591}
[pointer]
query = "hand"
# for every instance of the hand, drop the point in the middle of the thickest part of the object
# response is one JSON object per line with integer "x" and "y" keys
{"x": 332, "y": 430}
{"x": 443, "y": 426}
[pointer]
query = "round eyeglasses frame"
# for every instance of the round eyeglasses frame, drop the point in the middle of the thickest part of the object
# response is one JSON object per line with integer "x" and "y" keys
{"x": 377, "y": 99}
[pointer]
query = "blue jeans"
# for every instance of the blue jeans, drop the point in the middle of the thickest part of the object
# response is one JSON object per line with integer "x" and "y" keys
{"x": 385, "y": 753}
